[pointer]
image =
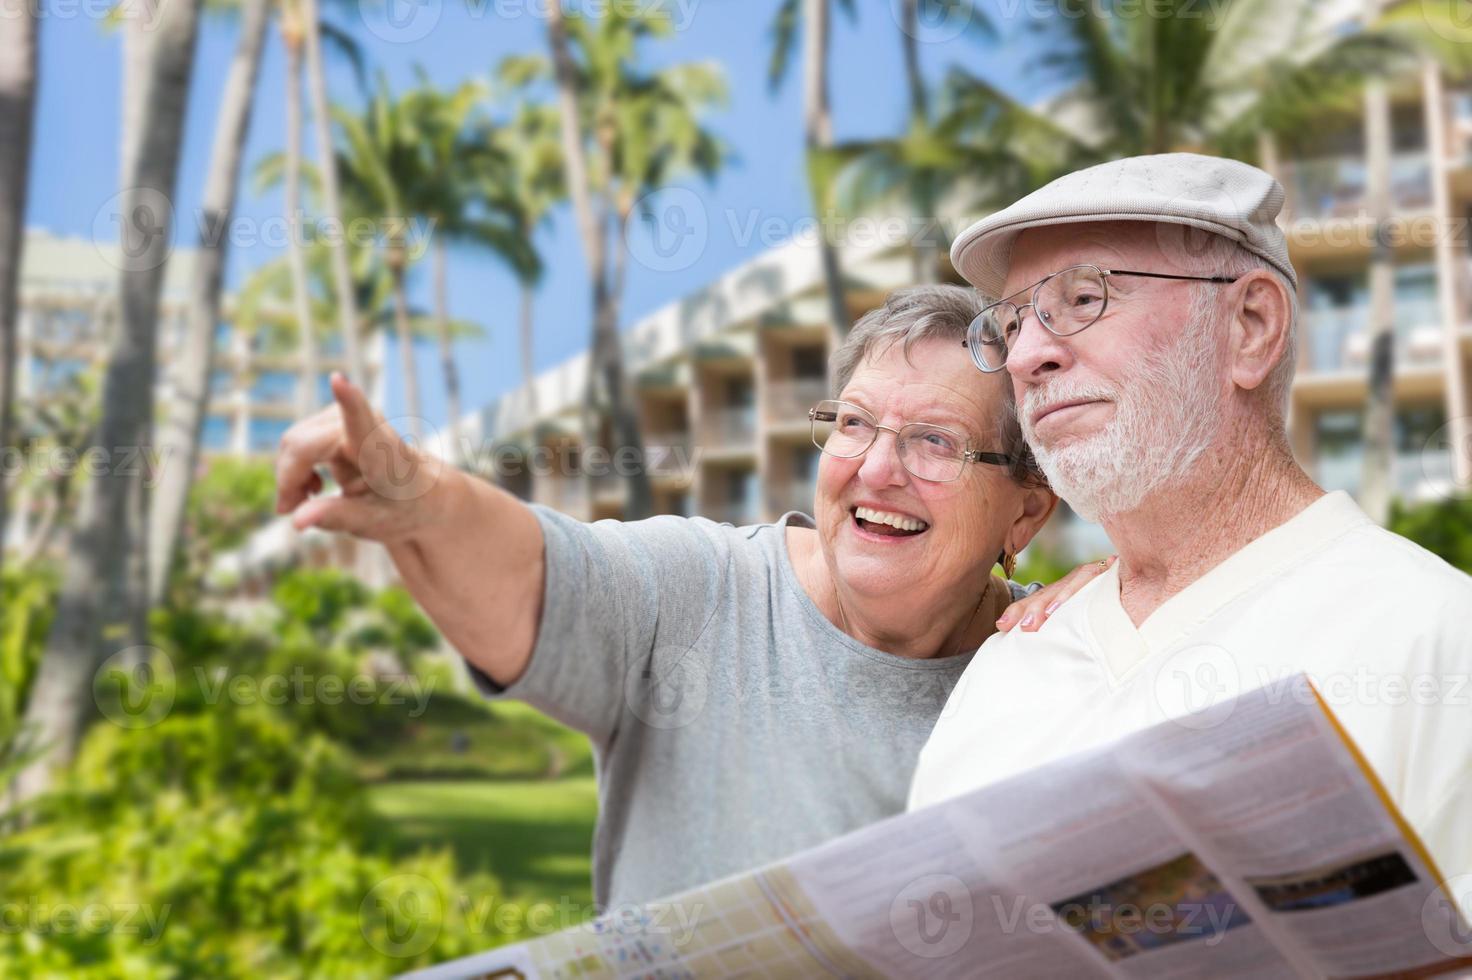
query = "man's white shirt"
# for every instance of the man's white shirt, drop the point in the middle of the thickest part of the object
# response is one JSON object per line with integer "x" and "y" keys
{"x": 1382, "y": 626}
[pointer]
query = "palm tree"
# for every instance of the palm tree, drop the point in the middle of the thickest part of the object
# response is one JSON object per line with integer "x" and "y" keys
{"x": 183, "y": 426}
{"x": 470, "y": 194}
{"x": 103, "y": 595}
{"x": 382, "y": 164}
{"x": 610, "y": 160}
{"x": 814, "y": 16}
{"x": 331, "y": 199}
{"x": 18, "y": 36}
{"x": 529, "y": 142}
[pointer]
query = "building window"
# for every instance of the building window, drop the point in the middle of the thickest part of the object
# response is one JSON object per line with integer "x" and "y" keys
{"x": 274, "y": 386}
{"x": 215, "y": 435}
{"x": 265, "y": 434}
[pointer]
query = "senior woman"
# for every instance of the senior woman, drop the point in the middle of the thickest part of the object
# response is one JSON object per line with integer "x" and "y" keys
{"x": 749, "y": 691}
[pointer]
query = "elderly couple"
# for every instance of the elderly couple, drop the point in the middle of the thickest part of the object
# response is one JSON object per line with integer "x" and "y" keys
{"x": 752, "y": 691}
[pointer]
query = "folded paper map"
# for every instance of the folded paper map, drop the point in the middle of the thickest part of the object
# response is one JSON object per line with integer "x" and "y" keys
{"x": 1250, "y": 840}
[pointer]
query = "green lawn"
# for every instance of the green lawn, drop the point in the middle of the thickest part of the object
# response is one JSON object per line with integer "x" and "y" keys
{"x": 534, "y": 835}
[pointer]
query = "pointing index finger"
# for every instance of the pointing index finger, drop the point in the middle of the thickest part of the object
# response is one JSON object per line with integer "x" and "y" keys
{"x": 358, "y": 420}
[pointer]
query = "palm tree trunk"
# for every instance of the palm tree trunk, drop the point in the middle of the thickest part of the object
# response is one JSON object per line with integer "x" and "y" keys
{"x": 405, "y": 330}
{"x": 447, "y": 349}
{"x": 925, "y": 256}
{"x": 18, "y": 34}
{"x": 92, "y": 616}
{"x": 607, "y": 355}
{"x": 184, "y": 424}
{"x": 1375, "y": 489}
{"x": 528, "y": 375}
{"x": 818, "y": 135}
{"x": 306, "y": 391}
{"x": 342, "y": 273}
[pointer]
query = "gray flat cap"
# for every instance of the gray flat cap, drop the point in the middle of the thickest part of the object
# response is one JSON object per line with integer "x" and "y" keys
{"x": 1188, "y": 190}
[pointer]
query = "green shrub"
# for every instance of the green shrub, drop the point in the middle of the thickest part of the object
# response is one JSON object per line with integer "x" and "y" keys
{"x": 1443, "y": 527}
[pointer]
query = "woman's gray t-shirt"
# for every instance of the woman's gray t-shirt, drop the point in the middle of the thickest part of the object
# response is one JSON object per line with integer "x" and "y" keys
{"x": 732, "y": 723}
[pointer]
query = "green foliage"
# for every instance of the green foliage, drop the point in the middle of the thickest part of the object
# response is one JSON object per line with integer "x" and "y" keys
{"x": 233, "y": 498}
{"x": 26, "y": 597}
{"x": 1443, "y": 527}
{"x": 1041, "y": 566}
{"x": 231, "y": 835}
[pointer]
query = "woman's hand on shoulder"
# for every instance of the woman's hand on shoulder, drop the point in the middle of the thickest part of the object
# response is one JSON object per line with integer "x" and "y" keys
{"x": 1031, "y": 612}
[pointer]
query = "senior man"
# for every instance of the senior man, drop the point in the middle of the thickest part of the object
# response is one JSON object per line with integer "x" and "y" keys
{"x": 1147, "y": 323}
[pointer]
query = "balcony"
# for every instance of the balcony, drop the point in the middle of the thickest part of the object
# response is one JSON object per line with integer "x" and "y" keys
{"x": 1334, "y": 187}
{"x": 737, "y": 512}
{"x": 1418, "y": 476}
{"x": 788, "y": 400}
{"x": 1339, "y": 338}
{"x": 729, "y": 428}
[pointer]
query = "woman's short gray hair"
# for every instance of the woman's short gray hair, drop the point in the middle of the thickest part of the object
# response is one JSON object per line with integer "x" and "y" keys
{"x": 924, "y": 313}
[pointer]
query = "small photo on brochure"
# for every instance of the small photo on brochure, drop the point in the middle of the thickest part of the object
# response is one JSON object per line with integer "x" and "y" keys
{"x": 1176, "y": 901}
{"x": 1336, "y": 885}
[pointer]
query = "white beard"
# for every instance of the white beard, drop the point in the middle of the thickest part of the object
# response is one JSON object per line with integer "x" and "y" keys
{"x": 1163, "y": 421}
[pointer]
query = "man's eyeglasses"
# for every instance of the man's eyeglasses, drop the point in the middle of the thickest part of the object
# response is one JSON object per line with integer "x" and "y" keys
{"x": 1067, "y": 302}
{"x": 931, "y": 452}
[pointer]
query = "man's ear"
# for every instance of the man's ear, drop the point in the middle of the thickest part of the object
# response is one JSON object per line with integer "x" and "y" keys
{"x": 1038, "y": 505}
{"x": 1262, "y": 321}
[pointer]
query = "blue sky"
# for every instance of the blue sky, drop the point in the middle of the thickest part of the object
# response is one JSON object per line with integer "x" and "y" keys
{"x": 76, "y": 158}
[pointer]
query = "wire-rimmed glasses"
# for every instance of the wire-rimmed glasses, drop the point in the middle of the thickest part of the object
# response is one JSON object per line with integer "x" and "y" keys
{"x": 1068, "y": 302}
{"x": 930, "y": 452}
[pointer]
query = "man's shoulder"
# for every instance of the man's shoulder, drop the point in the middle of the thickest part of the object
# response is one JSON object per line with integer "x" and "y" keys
{"x": 1413, "y": 569}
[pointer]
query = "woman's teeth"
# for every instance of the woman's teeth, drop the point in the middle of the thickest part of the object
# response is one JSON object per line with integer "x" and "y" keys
{"x": 899, "y": 521}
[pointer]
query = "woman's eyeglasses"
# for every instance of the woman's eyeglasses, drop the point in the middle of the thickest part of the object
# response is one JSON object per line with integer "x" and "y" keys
{"x": 931, "y": 452}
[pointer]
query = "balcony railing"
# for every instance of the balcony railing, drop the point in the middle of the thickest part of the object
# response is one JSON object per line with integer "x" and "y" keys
{"x": 729, "y": 428}
{"x": 1335, "y": 187}
{"x": 1417, "y": 475}
{"x": 788, "y": 400}
{"x": 1339, "y": 338}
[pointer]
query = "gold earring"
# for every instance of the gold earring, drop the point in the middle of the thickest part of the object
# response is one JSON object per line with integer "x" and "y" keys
{"x": 1008, "y": 563}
